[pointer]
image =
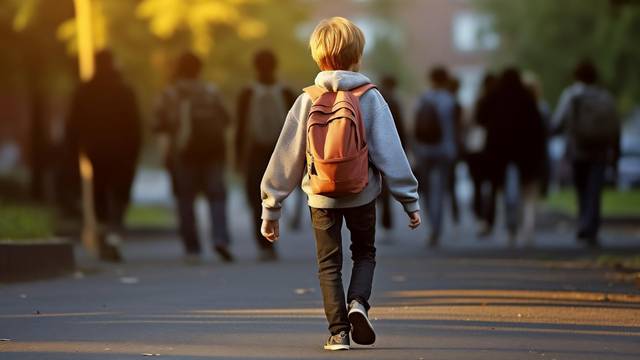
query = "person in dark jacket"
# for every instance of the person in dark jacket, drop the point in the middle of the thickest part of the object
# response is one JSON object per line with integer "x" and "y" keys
{"x": 475, "y": 156}
{"x": 261, "y": 110}
{"x": 388, "y": 85}
{"x": 516, "y": 138}
{"x": 105, "y": 125}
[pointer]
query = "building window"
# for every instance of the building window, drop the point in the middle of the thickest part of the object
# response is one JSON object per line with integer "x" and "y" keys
{"x": 473, "y": 32}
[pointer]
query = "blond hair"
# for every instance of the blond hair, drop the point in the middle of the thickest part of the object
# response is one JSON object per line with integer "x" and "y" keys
{"x": 336, "y": 44}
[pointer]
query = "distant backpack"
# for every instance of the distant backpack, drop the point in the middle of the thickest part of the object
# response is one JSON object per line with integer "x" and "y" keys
{"x": 337, "y": 151}
{"x": 267, "y": 112}
{"x": 427, "y": 124}
{"x": 593, "y": 123}
{"x": 200, "y": 120}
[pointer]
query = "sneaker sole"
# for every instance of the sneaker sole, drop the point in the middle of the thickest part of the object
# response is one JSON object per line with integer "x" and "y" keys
{"x": 336, "y": 347}
{"x": 361, "y": 329}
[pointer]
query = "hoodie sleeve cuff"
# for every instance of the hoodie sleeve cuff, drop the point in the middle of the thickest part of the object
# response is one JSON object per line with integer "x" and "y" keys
{"x": 270, "y": 214}
{"x": 410, "y": 207}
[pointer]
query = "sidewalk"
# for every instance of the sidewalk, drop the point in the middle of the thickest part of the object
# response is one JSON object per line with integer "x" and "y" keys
{"x": 469, "y": 300}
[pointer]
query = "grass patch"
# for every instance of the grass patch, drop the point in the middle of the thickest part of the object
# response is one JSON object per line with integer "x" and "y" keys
{"x": 614, "y": 203}
{"x": 22, "y": 222}
{"x": 628, "y": 262}
{"x": 146, "y": 216}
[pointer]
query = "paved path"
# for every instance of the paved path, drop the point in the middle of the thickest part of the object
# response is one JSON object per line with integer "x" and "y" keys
{"x": 471, "y": 300}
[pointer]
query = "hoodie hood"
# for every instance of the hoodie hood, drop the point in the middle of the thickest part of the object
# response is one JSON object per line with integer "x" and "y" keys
{"x": 340, "y": 80}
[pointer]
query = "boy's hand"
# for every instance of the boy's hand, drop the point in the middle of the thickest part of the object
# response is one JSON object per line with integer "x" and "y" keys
{"x": 270, "y": 230}
{"x": 414, "y": 220}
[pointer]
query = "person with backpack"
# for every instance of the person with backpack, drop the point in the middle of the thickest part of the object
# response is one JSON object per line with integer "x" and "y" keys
{"x": 261, "y": 111}
{"x": 435, "y": 147}
{"x": 191, "y": 116}
{"x": 587, "y": 114}
{"x": 338, "y": 142}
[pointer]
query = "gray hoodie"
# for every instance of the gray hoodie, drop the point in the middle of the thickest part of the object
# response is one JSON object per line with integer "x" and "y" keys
{"x": 287, "y": 168}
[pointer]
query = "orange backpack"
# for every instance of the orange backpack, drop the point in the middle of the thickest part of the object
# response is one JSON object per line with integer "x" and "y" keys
{"x": 337, "y": 152}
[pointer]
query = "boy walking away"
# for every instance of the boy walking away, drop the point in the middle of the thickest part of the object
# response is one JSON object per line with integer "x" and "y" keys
{"x": 262, "y": 109}
{"x": 191, "y": 115}
{"x": 339, "y": 140}
{"x": 587, "y": 113}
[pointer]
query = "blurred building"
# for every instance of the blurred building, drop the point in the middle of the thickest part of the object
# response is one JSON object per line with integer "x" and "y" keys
{"x": 449, "y": 32}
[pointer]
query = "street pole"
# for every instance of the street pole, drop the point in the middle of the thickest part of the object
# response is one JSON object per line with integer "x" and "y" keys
{"x": 86, "y": 68}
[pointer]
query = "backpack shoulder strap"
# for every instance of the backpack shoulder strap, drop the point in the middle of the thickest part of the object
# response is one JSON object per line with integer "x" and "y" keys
{"x": 360, "y": 90}
{"x": 314, "y": 92}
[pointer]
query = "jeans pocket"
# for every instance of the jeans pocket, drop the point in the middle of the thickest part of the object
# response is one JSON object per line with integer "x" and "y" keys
{"x": 322, "y": 219}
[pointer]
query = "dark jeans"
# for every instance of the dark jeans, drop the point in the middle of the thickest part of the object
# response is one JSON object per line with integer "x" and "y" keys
{"x": 483, "y": 196}
{"x": 257, "y": 162}
{"x": 190, "y": 180}
{"x": 111, "y": 191}
{"x": 589, "y": 180}
{"x": 327, "y": 225}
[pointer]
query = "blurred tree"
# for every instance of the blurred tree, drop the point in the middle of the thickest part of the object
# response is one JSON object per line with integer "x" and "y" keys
{"x": 33, "y": 64}
{"x": 549, "y": 37}
{"x": 388, "y": 45}
{"x": 146, "y": 35}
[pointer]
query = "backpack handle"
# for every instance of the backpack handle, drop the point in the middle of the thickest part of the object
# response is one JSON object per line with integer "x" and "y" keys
{"x": 315, "y": 91}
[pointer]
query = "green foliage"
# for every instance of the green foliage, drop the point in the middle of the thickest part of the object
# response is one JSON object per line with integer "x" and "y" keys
{"x": 614, "y": 203}
{"x": 25, "y": 222}
{"x": 146, "y": 36}
{"x": 549, "y": 37}
{"x": 150, "y": 216}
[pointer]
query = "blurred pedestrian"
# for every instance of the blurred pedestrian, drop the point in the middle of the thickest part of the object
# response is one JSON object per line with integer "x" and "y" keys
{"x": 192, "y": 121}
{"x": 435, "y": 147}
{"x": 104, "y": 123}
{"x": 587, "y": 114}
{"x": 516, "y": 140}
{"x": 262, "y": 109}
{"x": 388, "y": 85}
{"x": 483, "y": 202}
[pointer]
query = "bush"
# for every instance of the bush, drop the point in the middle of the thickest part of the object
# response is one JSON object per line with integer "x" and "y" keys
{"x": 25, "y": 222}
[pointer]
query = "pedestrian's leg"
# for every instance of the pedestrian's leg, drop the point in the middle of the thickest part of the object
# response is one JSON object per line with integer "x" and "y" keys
{"x": 512, "y": 201}
{"x": 186, "y": 191}
{"x": 217, "y": 198}
{"x": 595, "y": 182}
{"x": 327, "y": 224}
{"x": 530, "y": 194}
{"x": 361, "y": 222}
{"x": 100, "y": 193}
{"x": 580, "y": 176}
{"x": 437, "y": 188}
{"x": 451, "y": 187}
{"x": 122, "y": 196}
